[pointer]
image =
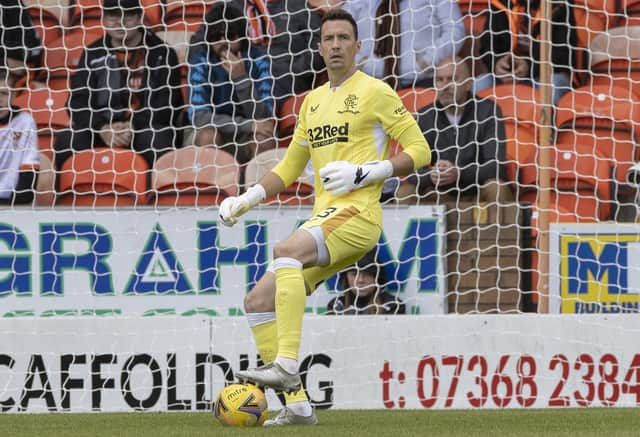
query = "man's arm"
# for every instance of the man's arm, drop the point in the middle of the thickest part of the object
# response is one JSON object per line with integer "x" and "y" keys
{"x": 283, "y": 175}
{"x": 271, "y": 184}
{"x": 415, "y": 154}
{"x": 342, "y": 177}
{"x": 80, "y": 109}
{"x": 199, "y": 86}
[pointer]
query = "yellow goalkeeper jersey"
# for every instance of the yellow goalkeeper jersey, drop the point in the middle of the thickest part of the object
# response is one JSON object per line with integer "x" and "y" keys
{"x": 353, "y": 122}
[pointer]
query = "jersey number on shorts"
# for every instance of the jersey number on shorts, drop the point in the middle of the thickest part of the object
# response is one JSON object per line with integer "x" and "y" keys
{"x": 327, "y": 212}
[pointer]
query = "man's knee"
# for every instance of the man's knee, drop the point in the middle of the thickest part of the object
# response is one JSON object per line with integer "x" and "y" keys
{"x": 255, "y": 302}
{"x": 282, "y": 250}
{"x": 289, "y": 249}
{"x": 250, "y": 304}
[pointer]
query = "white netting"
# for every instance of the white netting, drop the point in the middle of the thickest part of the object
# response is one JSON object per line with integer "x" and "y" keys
{"x": 165, "y": 100}
{"x": 138, "y": 145}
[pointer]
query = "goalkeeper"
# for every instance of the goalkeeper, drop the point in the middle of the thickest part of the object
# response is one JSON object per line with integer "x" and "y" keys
{"x": 344, "y": 128}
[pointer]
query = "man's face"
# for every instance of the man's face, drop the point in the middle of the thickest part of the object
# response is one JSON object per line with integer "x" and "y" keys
{"x": 223, "y": 46}
{"x": 6, "y": 97}
{"x": 452, "y": 84}
{"x": 362, "y": 282}
{"x": 338, "y": 45}
{"x": 121, "y": 26}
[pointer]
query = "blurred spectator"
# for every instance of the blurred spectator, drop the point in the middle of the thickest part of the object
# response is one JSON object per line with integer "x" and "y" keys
{"x": 290, "y": 31}
{"x": 405, "y": 51}
{"x": 467, "y": 140}
{"x": 19, "y": 160}
{"x": 18, "y": 36}
{"x": 364, "y": 290}
{"x": 126, "y": 91}
{"x": 231, "y": 102}
{"x": 510, "y": 48}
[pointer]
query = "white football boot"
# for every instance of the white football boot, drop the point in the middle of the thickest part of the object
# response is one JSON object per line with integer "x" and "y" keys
{"x": 273, "y": 376}
{"x": 287, "y": 417}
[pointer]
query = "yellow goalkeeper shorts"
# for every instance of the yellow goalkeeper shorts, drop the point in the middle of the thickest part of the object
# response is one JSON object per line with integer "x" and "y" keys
{"x": 348, "y": 234}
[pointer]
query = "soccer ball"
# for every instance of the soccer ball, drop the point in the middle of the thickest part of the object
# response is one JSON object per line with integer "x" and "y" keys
{"x": 241, "y": 405}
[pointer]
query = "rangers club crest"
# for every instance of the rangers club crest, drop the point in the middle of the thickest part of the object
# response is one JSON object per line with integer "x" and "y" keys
{"x": 350, "y": 104}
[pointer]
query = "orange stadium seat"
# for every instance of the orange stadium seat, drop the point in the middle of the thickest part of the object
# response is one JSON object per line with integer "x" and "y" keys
{"x": 103, "y": 177}
{"x": 185, "y": 14}
{"x": 615, "y": 58}
{"x": 49, "y": 18}
{"x": 415, "y": 99}
{"x": 580, "y": 179}
{"x": 49, "y": 111}
{"x": 299, "y": 193}
{"x": 194, "y": 176}
{"x": 591, "y": 17}
{"x": 628, "y": 14}
{"x": 62, "y": 56}
{"x": 520, "y": 109}
{"x": 46, "y": 186}
{"x": 605, "y": 118}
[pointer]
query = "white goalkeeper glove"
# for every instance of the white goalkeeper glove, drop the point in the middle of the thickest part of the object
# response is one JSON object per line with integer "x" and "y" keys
{"x": 342, "y": 177}
{"x": 233, "y": 207}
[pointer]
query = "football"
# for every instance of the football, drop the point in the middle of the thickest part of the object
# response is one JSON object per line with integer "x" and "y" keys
{"x": 241, "y": 405}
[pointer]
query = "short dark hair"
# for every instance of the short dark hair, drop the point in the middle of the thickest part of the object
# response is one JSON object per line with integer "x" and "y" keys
{"x": 224, "y": 21}
{"x": 113, "y": 7}
{"x": 338, "y": 14}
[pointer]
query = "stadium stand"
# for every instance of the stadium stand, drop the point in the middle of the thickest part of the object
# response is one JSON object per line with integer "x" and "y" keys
{"x": 194, "y": 176}
{"x": 615, "y": 58}
{"x": 604, "y": 117}
{"x": 103, "y": 177}
{"x": 49, "y": 111}
{"x": 299, "y": 193}
{"x": 520, "y": 109}
{"x": 185, "y": 15}
{"x": 50, "y": 18}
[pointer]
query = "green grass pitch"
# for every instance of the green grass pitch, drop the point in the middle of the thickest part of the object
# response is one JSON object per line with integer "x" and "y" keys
{"x": 560, "y": 422}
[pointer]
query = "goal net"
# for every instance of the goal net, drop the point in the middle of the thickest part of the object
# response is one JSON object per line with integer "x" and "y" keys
{"x": 131, "y": 120}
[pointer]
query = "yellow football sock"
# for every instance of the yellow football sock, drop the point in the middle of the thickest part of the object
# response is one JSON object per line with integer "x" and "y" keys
{"x": 290, "y": 302}
{"x": 266, "y": 338}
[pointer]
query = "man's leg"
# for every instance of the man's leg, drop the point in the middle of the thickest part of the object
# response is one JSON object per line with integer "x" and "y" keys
{"x": 262, "y": 305}
{"x": 290, "y": 296}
